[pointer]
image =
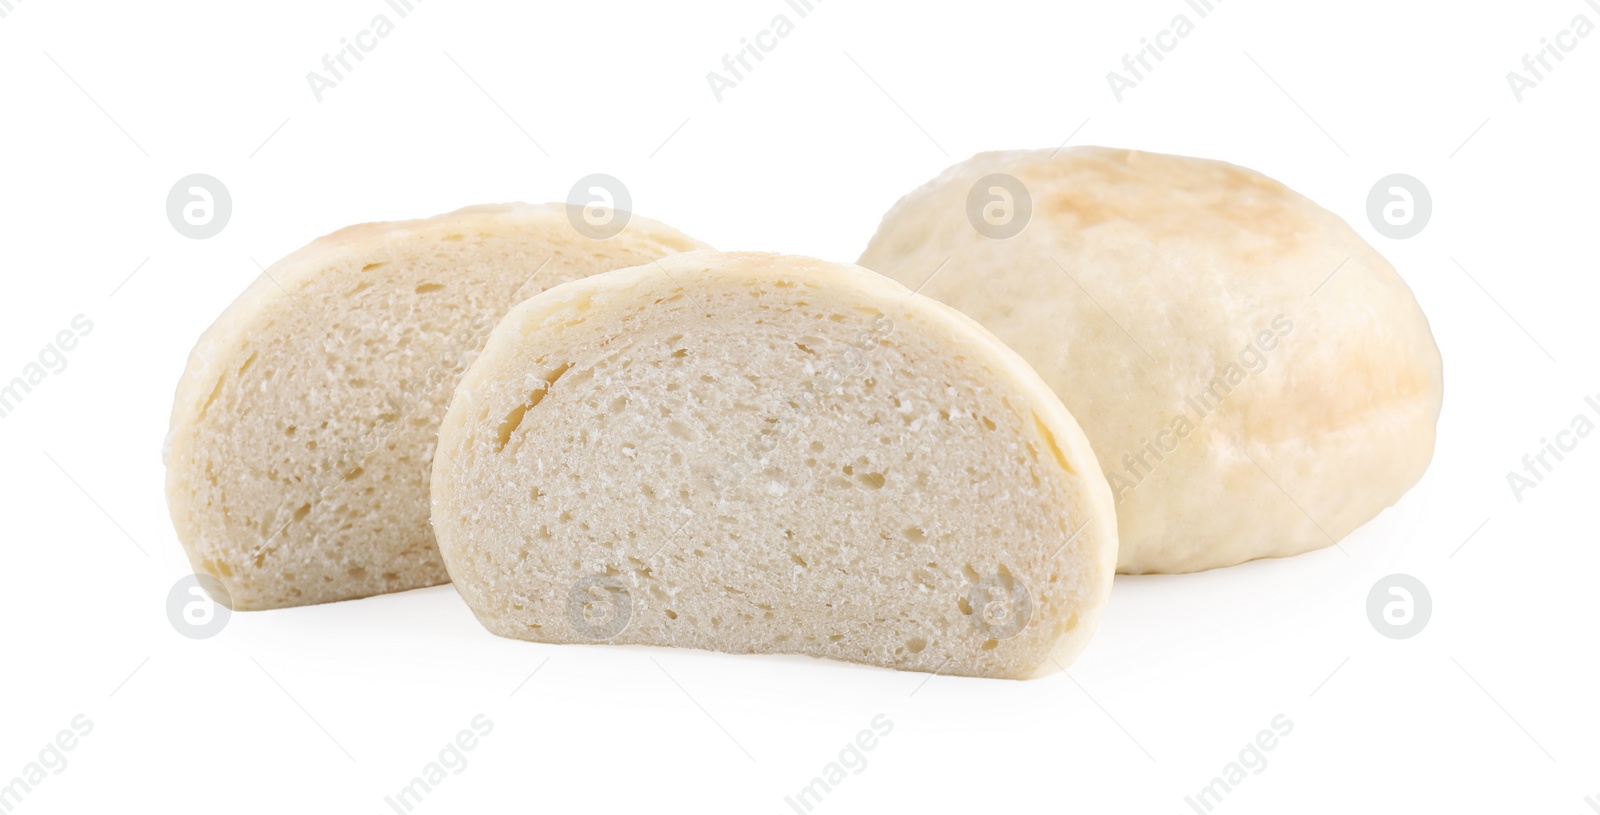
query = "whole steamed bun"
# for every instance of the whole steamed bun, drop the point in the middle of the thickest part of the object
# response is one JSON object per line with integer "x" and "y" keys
{"x": 1255, "y": 379}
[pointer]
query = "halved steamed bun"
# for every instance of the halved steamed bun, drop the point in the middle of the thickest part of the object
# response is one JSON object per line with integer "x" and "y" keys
{"x": 768, "y": 454}
{"x": 304, "y": 425}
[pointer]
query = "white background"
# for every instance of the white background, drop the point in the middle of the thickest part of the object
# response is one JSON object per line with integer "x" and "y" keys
{"x": 1490, "y": 709}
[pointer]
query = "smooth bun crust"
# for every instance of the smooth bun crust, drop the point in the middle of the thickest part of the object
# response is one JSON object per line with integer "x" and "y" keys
{"x": 1256, "y": 380}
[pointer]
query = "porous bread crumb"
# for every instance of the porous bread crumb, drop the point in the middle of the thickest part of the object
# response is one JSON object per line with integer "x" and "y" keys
{"x": 304, "y": 427}
{"x": 766, "y": 454}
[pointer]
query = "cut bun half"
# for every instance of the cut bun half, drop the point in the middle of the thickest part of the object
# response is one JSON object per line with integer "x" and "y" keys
{"x": 757, "y": 453}
{"x": 304, "y": 425}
